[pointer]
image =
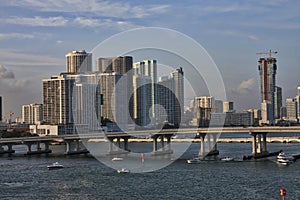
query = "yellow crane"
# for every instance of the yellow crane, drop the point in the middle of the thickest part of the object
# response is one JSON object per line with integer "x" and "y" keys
{"x": 270, "y": 53}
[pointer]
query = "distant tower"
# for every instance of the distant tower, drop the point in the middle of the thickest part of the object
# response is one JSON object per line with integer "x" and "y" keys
{"x": 78, "y": 61}
{"x": 267, "y": 70}
{"x": 228, "y": 106}
{"x": 277, "y": 102}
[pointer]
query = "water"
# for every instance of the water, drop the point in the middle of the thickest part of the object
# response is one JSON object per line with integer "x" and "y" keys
{"x": 86, "y": 178}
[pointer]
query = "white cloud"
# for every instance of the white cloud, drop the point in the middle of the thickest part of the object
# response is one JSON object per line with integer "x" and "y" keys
{"x": 246, "y": 86}
{"x": 99, "y": 8}
{"x": 253, "y": 37}
{"x": 37, "y": 21}
{"x": 13, "y": 57}
{"x": 5, "y": 74}
{"x": 4, "y": 36}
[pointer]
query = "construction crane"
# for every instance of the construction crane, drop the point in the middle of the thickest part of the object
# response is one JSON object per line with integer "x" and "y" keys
{"x": 270, "y": 53}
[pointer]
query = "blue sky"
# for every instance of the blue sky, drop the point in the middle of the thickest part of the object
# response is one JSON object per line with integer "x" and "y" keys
{"x": 35, "y": 35}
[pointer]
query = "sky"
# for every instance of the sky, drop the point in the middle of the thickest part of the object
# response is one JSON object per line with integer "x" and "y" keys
{"x": 36, "y": 35}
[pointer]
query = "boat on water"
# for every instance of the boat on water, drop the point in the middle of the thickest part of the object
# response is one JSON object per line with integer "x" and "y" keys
{"x": 123, "y": 171}
{"x": 282, "y": 158}
{"x": 116, "y": 159}
{"x": 194, "y": 160}
{"x": 227, "y": 158}
{"x": 55, "y": 165}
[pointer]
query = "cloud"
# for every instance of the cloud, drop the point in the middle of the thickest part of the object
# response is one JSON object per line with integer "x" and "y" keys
{"x": 245, "y": 87}
{"x": 5, "y": 74}
{"x": 98, "y": 8}
{"x": 94, "y": 23}
{"x": 4, "y": 36}
{"x": 37, "y": 21}
{"x": 13, "y": 57}
{"x": 253, "y": 37}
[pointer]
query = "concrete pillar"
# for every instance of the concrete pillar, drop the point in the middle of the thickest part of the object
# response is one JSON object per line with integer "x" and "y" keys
{"x": 202, "y": 148}
{"x": 38, "y": 146}
{"x": 162, "y": 142}
{"x": 76, "y": 145}
{"x": 28, "y": 147}
{"x": 265, "y": 142}
{"x": 259, "y": 147}
{"x": 9, "y": 147}
{"x": 46, "y": 146}
{"x": 154, "y": 143}
{"x": 119, "y": 142}
{"x": 1, "y": 148}
{"x": 68, "y": 146}
{"x": 215, "y": 148}
{"x": 125, "y": 144}
{"x": 208, "y": 141}
{"x": 169, "y": 142}
{"x": 254, "y": 151}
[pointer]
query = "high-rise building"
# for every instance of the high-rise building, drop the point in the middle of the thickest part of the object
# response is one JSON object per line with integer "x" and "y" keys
{"x": 203, "y": 107}
{"x": 57, "y": 99}
{"x": 218, "y": 107}
{"x": 291, "y": 109}
{"x": 1, "y": 109}
{"x": 266, "y": 113}
{"x": 297, "y": 99}
{"x": 277, "y": 102}
{"x": 170, "y": 92}
{"x": 78, "y": 62}
{"x": 86, "y": 104}
{"x": 121, "y": 65}
{"x": 267, "y": 70}
{"x": 32, "y": 113}
{"x": 142, "y": 100}
{"x": 115, "y": 103}
{"x": 228, "y": 106}
{"x": 148, "y": 68}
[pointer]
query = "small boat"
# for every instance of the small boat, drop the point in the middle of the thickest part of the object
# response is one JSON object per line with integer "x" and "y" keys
{"x": 123, "y": 171}
{"x": 227, "y": 158}
{"x": 117, "y": 159}
{"x": 282, "y": 158}
{"x": 55, "y": 165}
{"x": 194, "y": 160}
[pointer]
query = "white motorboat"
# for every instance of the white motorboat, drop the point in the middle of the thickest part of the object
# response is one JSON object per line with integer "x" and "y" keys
{"x": 117, "y": 159}
{"x": 194, "y": 160}
{"x": 227, "y": 158}
{"x": 282, "y": 158}
{"x": 123, "y": 171}
{"x": 55, "y": 165}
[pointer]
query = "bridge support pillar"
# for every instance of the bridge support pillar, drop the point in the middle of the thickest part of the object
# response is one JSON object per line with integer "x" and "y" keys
{"x": 259, "y": 144}
{"x": 76, "y": 149}
{"x": 265, "y": 142}
{"x": 164, "y": 148}
{"x": 202, "y": 147}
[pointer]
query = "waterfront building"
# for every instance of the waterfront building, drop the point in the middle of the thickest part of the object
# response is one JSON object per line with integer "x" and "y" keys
{"x": 142, "y": 101}
{"x": 114, "y": 105}
{"x": 32, "y": 113}
{"x": 228, "y": 106}
{"x": 148, "y": 68}
{"x": 121, "y": 65}
{"x": 267, "y": 70}
{"x": 291, "y": 109}
{"x": 218, "y": 106}
{"x": 256, "y": 114}
{"x": 57, "y": 101}
{"x": 86, "y": 103}
{"x": 203, "y": 107}
{"x": 78, "y": 62}
{"x": 297, "y": 98}
{"x": 170, "y": 90}
{"x": 277, "y": 102}
{"x": 266, "y": 114}
{"x": 229, "y": 119}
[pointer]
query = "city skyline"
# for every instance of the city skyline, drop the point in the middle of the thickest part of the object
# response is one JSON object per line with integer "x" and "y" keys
{"x": 36, "y": 36}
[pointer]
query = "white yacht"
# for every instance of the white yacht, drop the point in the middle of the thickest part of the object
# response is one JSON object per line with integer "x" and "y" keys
{"x": 194, "y": 160}
{"x": 55, "y": 165}
{"x": 227, "y": 158}
{"x": 282, "y": 158}
{"x": 123, "y": 171}
{"x": 117, "y": 159}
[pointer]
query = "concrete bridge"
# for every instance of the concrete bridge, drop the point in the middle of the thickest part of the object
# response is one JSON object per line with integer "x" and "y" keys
{"x": 207, "y": 136}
